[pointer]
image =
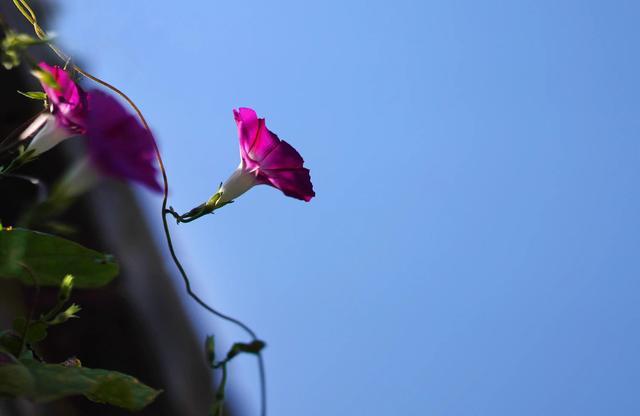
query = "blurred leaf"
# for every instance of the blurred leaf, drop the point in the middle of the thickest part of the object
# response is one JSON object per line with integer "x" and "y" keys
{"x": 10, "y": 59}
{"x": 51, "y": 258}
{"x": 6, "y": 357}
{"x": 45, "y": 382}
{"x": 14, "y": 44}
{"x": 36, "y": 332}
{"x": 14, "y": 380}
{"x": 10, "y": 341}
{"x": 19, "y": 323}
{"x": 21, "y": 40}
{"x": 34, "y": 95}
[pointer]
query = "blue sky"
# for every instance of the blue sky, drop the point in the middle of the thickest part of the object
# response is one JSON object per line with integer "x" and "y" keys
{"x": 473, "y": 247}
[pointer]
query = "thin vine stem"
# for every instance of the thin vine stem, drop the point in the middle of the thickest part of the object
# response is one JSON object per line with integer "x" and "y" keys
{"x": 29, "y": 14}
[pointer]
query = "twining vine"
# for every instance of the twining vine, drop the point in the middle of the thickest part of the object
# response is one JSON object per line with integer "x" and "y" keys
{"x": 265, "y": 159}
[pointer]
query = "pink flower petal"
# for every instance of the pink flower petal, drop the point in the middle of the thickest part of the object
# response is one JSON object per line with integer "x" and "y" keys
{"x": 265, "y": 159}
{"x": 69, "y": 101}
{"x": 295, "y": 183}
{"x": 256, "y": 141}
{"x": 119, "y": 145}
{"x": 273, "y": 161}
{"x": 283, "y": 156}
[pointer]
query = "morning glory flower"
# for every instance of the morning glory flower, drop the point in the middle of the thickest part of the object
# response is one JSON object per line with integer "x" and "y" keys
{"x": 67, "y": 110}
{"x": 118, "y": 144}
{"x": 265, "y": 160}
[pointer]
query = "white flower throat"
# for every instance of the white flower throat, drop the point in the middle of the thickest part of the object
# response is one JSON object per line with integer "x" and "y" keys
{"x": 239, "y": 182}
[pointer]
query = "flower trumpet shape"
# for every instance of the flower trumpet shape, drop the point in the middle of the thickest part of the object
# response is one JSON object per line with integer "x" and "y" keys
{"x": 118, "y": 145}
{"x": 264, "y": 160}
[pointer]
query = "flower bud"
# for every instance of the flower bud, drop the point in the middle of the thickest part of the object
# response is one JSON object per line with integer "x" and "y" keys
{"x": 65, "y": 288}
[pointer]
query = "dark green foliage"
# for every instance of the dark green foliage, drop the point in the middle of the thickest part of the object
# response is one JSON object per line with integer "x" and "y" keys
{"x": 45, "y": 382}
{"x": 34, "y": 95}
{"x": 13, "y": 45}
{"x": 33, "y": 333}
{"x": 23, "y": 376}
{"x": 35, "y": 257}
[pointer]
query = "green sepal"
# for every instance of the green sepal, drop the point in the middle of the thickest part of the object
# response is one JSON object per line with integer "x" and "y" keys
{"x": 46, "y": 78}
{"x": 67, "y": 314}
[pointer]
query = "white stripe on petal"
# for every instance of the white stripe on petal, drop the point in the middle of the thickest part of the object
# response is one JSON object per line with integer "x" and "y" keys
{"x": 48, "y": 135}
{"x": 35, "y": 125}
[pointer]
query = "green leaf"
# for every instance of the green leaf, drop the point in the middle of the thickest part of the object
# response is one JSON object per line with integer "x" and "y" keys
{"x": 14, "y": 44}
{"x": 36, "y": 332}
{"x": 45, "y": 382}
{"x": 10, "y": 59}
{"x": 15, "y": 379}
{"x": 10, "y": 341}
{"x": 21, "y": 40}
{"x": 34, "y": 95}
{"x": 50, "y": 259}
{"x": 65, "y": 315}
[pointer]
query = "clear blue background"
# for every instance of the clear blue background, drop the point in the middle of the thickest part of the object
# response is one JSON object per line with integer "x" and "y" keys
{"x": 473, "y": 248}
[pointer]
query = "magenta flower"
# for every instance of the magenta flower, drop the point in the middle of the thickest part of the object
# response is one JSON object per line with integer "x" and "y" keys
{"x": 68, "y": 101}
{"x": 119, "y": 146}
{"x": 67, "y": 112}
{"x": 265, "y": 160}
